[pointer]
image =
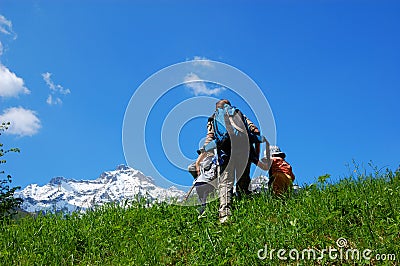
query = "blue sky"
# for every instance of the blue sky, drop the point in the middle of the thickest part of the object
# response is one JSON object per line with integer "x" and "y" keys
{"x": 329, "y": 70}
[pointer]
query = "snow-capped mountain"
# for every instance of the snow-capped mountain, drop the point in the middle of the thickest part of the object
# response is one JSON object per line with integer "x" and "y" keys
{"x": 259, "y": 183}
{"x": 124, "y": 183}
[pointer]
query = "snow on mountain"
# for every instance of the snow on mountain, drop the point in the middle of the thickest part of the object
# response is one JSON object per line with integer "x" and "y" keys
{"x": 259, "y": 183}
{"x": 124, "y": 183}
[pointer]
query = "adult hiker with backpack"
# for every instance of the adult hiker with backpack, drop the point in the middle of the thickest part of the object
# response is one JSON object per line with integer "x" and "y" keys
{"x": 237, "y": 142}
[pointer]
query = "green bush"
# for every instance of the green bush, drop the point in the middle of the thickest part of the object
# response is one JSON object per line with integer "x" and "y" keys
{"x": 8, "y": 204}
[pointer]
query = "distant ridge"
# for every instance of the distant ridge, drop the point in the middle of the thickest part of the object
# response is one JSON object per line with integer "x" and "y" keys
{"x": 68, "y": 195}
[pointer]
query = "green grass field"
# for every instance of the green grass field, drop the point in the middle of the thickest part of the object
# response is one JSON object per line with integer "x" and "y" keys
{"x": 362, "y": 209}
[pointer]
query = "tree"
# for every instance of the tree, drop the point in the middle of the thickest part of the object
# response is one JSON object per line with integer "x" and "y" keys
{"x": 8, "y": 203}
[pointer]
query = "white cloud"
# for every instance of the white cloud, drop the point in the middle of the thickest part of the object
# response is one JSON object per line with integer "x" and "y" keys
{"x": 10, "y": 84}
{"x": 198, "y": 86}
{"x": 55, "y": 89}
{"x": 51, "y": 101}
{"x": 6, "y": 27}
{"x": 24, "y": 122}
{"x": 202, "y": 61}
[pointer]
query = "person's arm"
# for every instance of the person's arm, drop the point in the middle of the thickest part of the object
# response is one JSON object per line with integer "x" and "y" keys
{"x": 209, "y": 138}
{"x": 254, "y": 129}
{"x": 265, "y": 163}
{"x": 210, "y": 131}
{"x": 267, "y": 151}
{"x": 291, "y": 173}
{"x": 257, "y": 149}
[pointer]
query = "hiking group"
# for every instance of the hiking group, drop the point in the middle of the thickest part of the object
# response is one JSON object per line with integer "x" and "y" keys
{"x": 232, "y": 144}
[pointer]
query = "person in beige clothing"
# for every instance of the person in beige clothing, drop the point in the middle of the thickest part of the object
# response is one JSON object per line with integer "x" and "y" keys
{"x": 235, "y": 154}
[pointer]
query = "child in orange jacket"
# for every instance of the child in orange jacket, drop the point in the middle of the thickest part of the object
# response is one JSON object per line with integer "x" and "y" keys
{"x": 281, "y": 176}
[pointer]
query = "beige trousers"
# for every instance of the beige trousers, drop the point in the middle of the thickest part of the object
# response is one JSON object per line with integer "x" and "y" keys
{"x": 237, "y": 166}
{"x": 225, "y": 187}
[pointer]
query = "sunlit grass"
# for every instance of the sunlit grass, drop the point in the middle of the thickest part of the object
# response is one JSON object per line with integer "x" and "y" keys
{"x": 363, "y": 209}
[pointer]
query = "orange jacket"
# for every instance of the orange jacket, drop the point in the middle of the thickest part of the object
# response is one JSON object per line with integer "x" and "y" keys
{"x": 280, "y": 165}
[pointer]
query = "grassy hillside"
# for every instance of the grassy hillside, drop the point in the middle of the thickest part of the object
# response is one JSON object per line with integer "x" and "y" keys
{"x": 364, "y": 210}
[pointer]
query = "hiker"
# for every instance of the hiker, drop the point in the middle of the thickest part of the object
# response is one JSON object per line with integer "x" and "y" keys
{"x": 204, "y": 170}
{"x": 237, "y": 141}
{"x": 281, "y": 176}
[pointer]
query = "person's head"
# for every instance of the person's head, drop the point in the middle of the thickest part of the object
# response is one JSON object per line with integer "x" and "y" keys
{"x": 275, "y": 151}
{"x": 221, "y": 103}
